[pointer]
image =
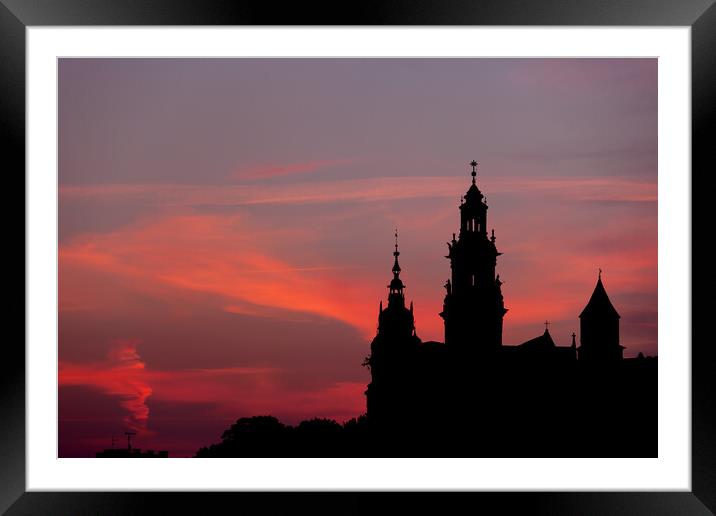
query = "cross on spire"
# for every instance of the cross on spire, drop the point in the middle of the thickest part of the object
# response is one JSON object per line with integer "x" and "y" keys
{"x": 546, "y": 325}
{"x": 396, "y": 286}
{"x": 600, "y": 273}
{"x": 473, "y": 164}
{"x": 396, "y": 253}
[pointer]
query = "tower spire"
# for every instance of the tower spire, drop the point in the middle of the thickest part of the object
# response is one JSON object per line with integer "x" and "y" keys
{"x": 396, "y": 285}
{"x": 396, "y": 253}
{"x": 473, "y": 309}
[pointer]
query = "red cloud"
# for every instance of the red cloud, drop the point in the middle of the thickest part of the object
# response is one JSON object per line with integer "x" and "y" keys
{"x": 122, "y": 375}
{"x": 216, "y": 255}
{"x": 280, "y": 268}
{"x": 231, "y": 391}
{"x": 230, "y": 257}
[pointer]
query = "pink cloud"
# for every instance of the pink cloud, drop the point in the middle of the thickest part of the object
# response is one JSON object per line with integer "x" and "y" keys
{"x": 122, "y": 374}
{"x": 264, "y": 171}
{"x": 229, "y": 256}
{"x": 216, "y": 255}
{"x": 230, "y": 392}
{"x": 366, "y": 190}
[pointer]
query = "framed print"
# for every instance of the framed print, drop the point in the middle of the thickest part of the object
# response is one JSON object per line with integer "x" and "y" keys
{"x": 234, "y": 261}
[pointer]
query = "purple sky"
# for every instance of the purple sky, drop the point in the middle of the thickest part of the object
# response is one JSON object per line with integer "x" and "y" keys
{"x": 226, "y": 225}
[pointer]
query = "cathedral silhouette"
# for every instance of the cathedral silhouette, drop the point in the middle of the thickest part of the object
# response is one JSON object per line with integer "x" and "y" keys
{"x": 474, "y": 395}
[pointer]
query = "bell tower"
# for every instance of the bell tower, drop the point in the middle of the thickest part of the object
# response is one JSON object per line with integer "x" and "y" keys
{"x": 391, "y": 354}
{"x": 473, "y": 308}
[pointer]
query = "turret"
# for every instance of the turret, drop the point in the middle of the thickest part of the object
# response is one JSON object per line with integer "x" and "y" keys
{"x": 599, "y": 328}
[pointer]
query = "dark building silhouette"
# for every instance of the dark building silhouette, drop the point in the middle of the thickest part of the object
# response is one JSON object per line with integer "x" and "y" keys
{"x": 599, "y": 328}
{"x": 134, "y": 453}
{"x": 392, "y": 352}
{"x": 473, "y": 307}
{"x": 474, "y": 396}
{"x": 130, "y": 452}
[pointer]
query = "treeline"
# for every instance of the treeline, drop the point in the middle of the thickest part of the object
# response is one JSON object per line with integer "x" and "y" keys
{"x": 266, "y": 436}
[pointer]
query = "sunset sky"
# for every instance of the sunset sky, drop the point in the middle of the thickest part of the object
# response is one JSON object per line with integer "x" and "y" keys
{"x": 226, "y": 225}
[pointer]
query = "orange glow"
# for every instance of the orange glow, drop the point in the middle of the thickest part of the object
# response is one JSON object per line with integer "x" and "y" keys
{"x": 215, "y": 255}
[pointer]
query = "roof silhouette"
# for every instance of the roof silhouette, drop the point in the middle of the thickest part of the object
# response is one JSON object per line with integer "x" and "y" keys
{"x": 599, "y": 303}
{"x": 540, "y": 343}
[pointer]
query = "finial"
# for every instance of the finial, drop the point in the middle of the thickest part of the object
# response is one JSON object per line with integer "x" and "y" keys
{"x": 473, "y": 164}
{"x": 600, "y": 273}
{"x": 396, "y": 253}
{"x": 574, "y": 339}
{"x": 492, "y": 238}
{"x": 546, "y": 326}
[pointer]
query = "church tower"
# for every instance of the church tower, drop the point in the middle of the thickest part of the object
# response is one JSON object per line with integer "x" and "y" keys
{"x": 392, "y": 353}
{"x": 599, "y": 329}
{"x": 396, "y": 321}
{"x": 473, "y": 308}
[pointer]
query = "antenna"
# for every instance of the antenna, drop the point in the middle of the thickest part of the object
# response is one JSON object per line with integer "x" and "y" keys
{"x": 129, "y": 439}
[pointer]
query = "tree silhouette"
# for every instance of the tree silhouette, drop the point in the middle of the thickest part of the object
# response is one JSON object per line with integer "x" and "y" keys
{"x": 266, "y": 436}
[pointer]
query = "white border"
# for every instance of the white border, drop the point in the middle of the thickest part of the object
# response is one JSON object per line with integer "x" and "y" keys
{"x": 671, "y": 470}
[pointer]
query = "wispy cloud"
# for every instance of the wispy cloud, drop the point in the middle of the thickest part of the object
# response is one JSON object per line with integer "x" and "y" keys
{"x": 266, "y": 171}
{"x": 218, "y": 255}
{"x": 364, "y": 190}
{"x": 124, "y": 375}
{"x": 121, "y": 375}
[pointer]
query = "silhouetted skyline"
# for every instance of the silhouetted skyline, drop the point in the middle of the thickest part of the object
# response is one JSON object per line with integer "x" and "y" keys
{"x": 214, "y": 213}
{"x": 472, "y": 396}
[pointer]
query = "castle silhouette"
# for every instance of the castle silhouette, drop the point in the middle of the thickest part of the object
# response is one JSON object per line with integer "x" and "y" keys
{"x": 473, "y": 396}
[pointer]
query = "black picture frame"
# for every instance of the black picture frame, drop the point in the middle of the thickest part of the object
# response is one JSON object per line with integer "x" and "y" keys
{"x": 17, "y": 15}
